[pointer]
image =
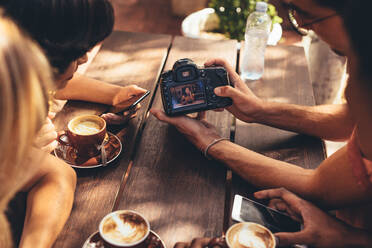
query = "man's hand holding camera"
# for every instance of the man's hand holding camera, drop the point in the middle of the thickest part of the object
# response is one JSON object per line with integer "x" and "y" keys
{"x": 197, "y": 130}
{"x": 201, "y": 133}
{"x": 246, "y": 106}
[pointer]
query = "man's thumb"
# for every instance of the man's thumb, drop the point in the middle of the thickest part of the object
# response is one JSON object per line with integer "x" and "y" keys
{"x": 227, "y": 91}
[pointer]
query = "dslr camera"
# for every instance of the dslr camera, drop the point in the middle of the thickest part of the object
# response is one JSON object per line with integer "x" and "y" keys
{"x": 187, "y": 88}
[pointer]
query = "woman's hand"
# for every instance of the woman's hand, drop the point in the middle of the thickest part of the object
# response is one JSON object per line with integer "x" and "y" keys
{"x": 195, "y": 243}
{"x": 116, "y": 119}
{"x": 127, "y": 95}
{"x": 320, "y": 229}
{"x": 197, "y": 130}
{"x": 123, "y": 99}
{"x": 218, "y": 242}
{"x": 246, "y": 105}
{"x": 46, "y": 138}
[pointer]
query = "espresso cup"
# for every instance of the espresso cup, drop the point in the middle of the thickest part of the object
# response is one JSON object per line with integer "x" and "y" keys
{"x": 85, "y": 133}
{"x": 124, "y": 228}
{"x": 249, "y": 235}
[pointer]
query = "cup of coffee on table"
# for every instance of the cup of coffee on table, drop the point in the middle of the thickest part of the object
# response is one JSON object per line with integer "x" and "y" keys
{"x": 86, "y": 134}
{"x": 249, "y": 235}
{"x": 124, "y": 228}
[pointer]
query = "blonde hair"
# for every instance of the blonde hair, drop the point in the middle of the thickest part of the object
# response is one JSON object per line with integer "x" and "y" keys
{"x": 25, "y": 81}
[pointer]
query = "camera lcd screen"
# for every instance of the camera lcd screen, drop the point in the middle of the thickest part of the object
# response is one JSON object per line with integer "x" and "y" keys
{"x": 187, "y": 95}
{"x": 272, "y": 219}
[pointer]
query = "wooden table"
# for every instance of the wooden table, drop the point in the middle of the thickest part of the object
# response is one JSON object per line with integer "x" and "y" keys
{"x": 159, "y": 173}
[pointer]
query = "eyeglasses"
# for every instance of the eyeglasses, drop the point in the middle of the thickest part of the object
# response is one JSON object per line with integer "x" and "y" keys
{"x": 297, "y": 20}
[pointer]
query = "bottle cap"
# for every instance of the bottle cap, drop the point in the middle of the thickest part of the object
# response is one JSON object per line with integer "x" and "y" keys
{"x": 261, "y": 6}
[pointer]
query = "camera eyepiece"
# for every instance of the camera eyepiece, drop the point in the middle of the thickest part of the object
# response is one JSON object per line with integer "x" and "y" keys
{"x": 185, "y": 70}
{"x": 182, "y": 62}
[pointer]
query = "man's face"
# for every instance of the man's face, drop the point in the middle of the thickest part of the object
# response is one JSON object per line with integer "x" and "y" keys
{"x": 331, "y": 30}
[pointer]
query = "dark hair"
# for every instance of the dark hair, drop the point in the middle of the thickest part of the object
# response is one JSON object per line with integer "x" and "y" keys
{"x": 65, "y": 29}
{"x": 355, "y": 14}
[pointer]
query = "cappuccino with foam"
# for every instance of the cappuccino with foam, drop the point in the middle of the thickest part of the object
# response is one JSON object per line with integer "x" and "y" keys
{"x": 124, "y": 228}
{"x": 249, "y": 235}
{"x": 85, "y": 134}
{"x": 87, "y": 127}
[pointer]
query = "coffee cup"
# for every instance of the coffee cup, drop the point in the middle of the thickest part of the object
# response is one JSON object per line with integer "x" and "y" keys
{"x": 245, "y": 235}
{"x": 249, "y": 235}
{"x": 86, "y": 134}
{"x": 124, "y": 228}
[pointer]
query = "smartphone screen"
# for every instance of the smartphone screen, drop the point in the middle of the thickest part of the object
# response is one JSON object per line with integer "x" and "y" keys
{"x": 274, "y": 220}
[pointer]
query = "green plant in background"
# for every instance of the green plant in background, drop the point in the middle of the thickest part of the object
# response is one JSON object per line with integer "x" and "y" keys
{"x": 233, "y": 15}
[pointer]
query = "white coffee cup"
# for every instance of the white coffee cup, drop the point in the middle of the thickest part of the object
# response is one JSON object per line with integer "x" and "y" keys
{"x": 124, "y": 228}
{"x": 249, "y": 234}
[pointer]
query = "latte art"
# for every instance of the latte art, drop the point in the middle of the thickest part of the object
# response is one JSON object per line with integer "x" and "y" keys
{"x": 249, "y": 236}
{"x": 248, "y": 239}
{"x": 86, "y": 127}
{"x": 124, "y": 228}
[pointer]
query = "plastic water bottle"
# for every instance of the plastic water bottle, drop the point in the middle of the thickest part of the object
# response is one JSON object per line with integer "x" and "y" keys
{"x": 256, "y": 36}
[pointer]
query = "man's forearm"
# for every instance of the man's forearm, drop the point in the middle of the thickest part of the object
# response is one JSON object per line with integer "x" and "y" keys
{"x": 262, "y": 171}
{"x": 88, "y": 89}
{"x": 331, "y": 122}
{"x": 332, "y": 185}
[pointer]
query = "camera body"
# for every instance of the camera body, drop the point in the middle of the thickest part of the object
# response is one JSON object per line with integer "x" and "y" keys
{"x": 188, "y": 89}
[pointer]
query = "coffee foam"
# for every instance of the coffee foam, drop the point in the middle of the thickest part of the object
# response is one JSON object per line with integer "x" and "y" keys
{"x": 124, "y": 228}
{"x": 249, "y": 236}
{"x": 86, "y": 127}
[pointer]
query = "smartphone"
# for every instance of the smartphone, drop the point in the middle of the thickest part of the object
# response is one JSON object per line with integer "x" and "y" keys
{"x": 116, "y": 110}
{"x": 246, "y": 210}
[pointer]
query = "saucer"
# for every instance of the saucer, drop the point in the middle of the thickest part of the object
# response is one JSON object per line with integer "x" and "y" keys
{"x": 152, "y": 241}
{"x": 67, "y": 154}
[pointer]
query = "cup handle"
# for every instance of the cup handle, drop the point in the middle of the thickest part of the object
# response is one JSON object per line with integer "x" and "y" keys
{"x": 219, "y": 242}
{"x": 103, "y": 150}
{"x": 63, "y": 142}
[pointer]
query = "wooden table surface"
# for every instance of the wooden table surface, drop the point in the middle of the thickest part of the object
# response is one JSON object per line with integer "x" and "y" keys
{"x": 159, "y": 173}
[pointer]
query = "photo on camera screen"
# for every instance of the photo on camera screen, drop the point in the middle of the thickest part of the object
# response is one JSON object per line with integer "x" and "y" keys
{"x": 187, "y": 95}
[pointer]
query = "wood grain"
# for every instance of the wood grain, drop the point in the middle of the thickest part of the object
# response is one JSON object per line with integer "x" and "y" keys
{"x": 171, "y": 183}
{"x": 125, "y": 58}
{"x": 160, "y": 174}
{"x": 286, "y": 79}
